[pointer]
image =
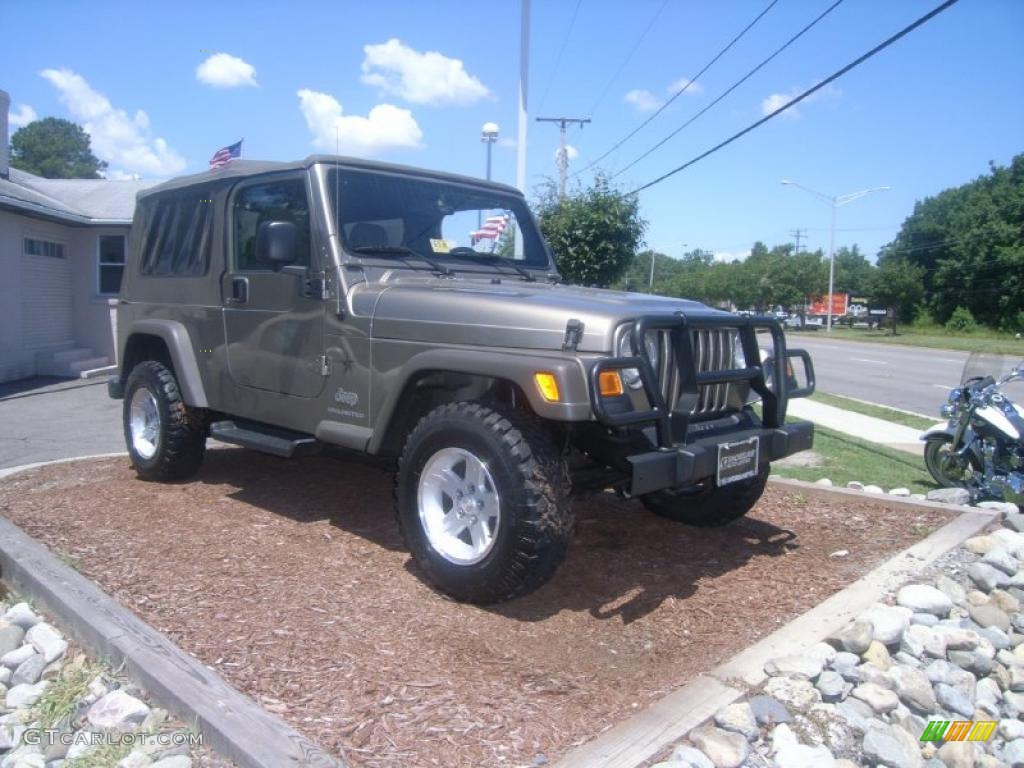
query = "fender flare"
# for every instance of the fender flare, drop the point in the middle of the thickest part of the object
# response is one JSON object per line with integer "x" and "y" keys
{"x": 179, "y": 345}
{"x": 574, "y": 404}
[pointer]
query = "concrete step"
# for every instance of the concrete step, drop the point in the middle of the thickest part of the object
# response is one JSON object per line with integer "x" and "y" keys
{"x": 76, "y": 367}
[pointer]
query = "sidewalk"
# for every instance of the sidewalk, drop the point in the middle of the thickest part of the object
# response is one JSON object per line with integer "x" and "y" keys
{"x": 858, "y": 425}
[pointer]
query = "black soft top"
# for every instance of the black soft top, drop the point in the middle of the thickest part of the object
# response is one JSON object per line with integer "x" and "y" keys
{"x": 238, "y": 169}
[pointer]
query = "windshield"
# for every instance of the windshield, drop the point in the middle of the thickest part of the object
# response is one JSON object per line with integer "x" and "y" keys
{"x": 440, "y": 221}
{"x": 982, "y": 364}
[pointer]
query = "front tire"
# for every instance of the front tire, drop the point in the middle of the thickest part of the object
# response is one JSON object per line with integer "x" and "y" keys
{"x": 483, "y": 502}
{"x": 166, "y": 439}
{"x": 708, "y": 506}
{"x": 945, "y": 467}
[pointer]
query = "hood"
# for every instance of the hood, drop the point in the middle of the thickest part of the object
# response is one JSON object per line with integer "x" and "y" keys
{"x": 509, "y": 314}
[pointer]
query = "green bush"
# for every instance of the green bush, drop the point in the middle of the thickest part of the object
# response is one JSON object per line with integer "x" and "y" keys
{"x": 924, "y": 319}
{"x": 961, "y": 321}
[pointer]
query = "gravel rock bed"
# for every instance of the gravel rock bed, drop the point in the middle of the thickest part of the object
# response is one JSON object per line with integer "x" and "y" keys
{"x": 289, "y": 579}
{"x": 947, "y": 647}
{"x": 55, "y": 703}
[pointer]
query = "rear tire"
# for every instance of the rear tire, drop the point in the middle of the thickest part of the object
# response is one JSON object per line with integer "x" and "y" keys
{"x": 708, "y": 506}
{"x": 482, "y": 498}
{"x": 948, "y": 470}
{"x": 166, "y": 439}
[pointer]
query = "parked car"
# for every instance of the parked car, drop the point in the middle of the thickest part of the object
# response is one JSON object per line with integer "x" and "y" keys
{"x": 420, "y": 317}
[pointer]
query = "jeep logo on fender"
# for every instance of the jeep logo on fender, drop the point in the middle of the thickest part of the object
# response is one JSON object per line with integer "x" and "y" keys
{"x": 351, "y": 399}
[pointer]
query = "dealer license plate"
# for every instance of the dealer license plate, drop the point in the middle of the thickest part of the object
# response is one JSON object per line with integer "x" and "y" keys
{"x": 737, "y": 461}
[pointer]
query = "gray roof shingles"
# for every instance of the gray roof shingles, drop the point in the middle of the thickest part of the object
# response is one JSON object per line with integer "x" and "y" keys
{"x": 76, "y": 201}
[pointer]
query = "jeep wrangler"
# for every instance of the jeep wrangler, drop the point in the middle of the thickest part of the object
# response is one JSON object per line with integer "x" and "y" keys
{"x": 419, "y": 317}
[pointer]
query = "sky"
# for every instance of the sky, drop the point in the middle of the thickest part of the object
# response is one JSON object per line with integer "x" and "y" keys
{"x": 161, "y": 86}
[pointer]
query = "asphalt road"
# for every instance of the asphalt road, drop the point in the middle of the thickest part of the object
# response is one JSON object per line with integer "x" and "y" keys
{"x": 41, "y": 420}
{"x": 912, "y": 378}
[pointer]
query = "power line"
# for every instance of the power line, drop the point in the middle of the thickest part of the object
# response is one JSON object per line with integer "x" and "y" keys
{"x": 814, "y": 89}
{"x": 629, "y": 57}
{"x": 678, "y": 93}
{"x": 558, "y": 59}
{"x": 734, "y": 86}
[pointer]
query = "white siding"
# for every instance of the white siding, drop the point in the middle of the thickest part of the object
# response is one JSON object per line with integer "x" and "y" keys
{"x": 46, "y": 303}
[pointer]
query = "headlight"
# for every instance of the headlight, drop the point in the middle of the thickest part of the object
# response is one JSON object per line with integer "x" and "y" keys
{"x": 955, "y": 395}
{"x": 631, "y": 376}
{"x": 947, "y": 411}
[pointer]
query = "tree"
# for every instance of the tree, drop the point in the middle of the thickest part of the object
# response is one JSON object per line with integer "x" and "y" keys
{"x": 55, "y": 149}
{"x": 852, "y": 271}
{"x": 897, "y": 285}
{"x": 594, "y": 233}
{"x": 969, "y": 242}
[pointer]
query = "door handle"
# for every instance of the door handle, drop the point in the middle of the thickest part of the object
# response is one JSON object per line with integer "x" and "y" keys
{"x": 239, "y": 290}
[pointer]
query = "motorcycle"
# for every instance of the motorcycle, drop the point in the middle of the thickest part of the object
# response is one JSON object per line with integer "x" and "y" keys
{"x": 981, "y": 448}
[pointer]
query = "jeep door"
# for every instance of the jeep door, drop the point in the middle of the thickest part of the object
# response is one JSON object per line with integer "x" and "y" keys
{"x": 273, "y": 321}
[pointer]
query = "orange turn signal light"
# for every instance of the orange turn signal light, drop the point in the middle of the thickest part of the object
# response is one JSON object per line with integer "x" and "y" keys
{"x": 609, "y": 384}
{"x": 547, "y": 384}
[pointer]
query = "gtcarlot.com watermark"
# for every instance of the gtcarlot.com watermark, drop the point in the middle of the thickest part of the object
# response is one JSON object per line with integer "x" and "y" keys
{"x": 44, "y": 737}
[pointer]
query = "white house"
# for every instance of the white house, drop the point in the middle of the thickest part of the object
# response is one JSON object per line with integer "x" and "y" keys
{"x": 62, "y": 251}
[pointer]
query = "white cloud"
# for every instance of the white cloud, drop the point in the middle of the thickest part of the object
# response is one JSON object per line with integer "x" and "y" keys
{"x": 386, "y": 127}
{"x": 642, "y": 100}
{"x": 693, "y": 89}
{"x": 119, "y": 175}
{"x": 22, "y": 116}
{"x": 421, "y": 78}
{"x": 115, "y": 136}
{"x": 508, "y": 142}
{"x": 731, "y": 256}
{"x": 222, "y": 70}
{"x": 776, "y": 100}
{"x": 570, "y": 152}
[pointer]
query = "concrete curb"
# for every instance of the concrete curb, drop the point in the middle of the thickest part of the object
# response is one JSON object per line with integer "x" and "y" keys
{"x": 231, "y": 722}
{"x": 636, "y": 740}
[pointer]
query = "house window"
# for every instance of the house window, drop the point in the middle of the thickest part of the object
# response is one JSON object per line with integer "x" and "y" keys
{"x": 111, "y": 264}
{"x": 35, "y": 247}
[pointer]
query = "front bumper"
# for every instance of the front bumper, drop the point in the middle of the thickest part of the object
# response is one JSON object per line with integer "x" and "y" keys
{"x": 698, "y": 459}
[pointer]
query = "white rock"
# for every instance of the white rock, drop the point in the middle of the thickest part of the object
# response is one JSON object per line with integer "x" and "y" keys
{"x": 22, "y": 615}
{"x": 1003, "y": 560}
{"x": 873, "y": 489}
{"x": 802, "y": 756}
{"x": 726, "y": 750}
{"x": 800, "y": 667}
{"x": 25, "y": 695}
{"x": 136, "y": 759}
{"x": 839, "y": 553}
{"x": 822, "y": 652}
{"x": 18, "y": 656}
{"x": 918, "y": 496}
{"x": 738, "y": 717}
{"x": 1003, "y": 507}
{"x": 824, "y": 481}
{"x": 854, "y": 485}
{"x": 799, "y": 694}
{"x": 987, "y": 577}
{"x": 892, "y": 746}
{"x": 685, "y": 756}
{"x": 920, "y": 641}
{"x": 924, "y": 599}
{"x": 901, "y": 492}
{"x": 177, "y": 761}
{"x": 1011, "y": 541}
{"x": 117, "y": 710}
{"x": 47, "y": 641}
{"x": 1011, "y": 729}
{"x": 888, "y": 622}
{"x": 949, "y": 496}
{"x": 25, "y": 756}
{"x": 878, "y": 698}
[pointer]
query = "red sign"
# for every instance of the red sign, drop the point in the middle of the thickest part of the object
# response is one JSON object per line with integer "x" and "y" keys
{"x": 819, "y": 305}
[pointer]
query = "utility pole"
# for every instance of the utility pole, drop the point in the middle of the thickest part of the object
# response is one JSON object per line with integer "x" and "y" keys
{"x": 524, "y": 79}
{"x": 798, "y": 236}
{"x": 563, "y": 158}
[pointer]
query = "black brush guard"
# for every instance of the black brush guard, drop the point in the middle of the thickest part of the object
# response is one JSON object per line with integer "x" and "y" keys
{"x": 676, "y": 462}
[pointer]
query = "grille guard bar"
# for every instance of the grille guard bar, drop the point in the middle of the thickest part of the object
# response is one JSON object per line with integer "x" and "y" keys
{"x": 668, "y": 423}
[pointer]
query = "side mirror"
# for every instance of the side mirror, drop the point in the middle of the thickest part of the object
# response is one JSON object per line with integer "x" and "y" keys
{"x": 275, "y": 242}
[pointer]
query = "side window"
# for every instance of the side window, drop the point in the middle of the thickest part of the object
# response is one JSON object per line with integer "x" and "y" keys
{"x": 177, "y": 233}
{"x": 111, "y": 264}
{"x": 273, "y": 201}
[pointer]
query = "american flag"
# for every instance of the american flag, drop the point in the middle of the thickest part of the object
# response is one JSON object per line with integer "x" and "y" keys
{"x": 492, "y": 228}
{"x": 225, "y": 155}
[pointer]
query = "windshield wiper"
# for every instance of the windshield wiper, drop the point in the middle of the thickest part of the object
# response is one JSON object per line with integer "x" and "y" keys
{"x": 489, "y": 258}
{"x": 402, "y": 250}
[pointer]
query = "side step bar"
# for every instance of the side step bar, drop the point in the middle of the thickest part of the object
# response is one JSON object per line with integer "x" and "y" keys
{"x": 266, "y": 439}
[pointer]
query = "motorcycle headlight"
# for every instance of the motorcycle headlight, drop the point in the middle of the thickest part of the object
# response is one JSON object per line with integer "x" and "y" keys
{"x": 947, "y": 411}
{"x": 955, "y": 395}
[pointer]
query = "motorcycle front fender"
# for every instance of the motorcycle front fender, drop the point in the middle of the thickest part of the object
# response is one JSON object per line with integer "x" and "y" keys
{"x": 945, "y": 429}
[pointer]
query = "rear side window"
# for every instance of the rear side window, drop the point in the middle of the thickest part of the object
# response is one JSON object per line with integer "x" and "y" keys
{"x": 177, "y": 232}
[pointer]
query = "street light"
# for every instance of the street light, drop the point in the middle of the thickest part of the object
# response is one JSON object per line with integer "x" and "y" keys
{"x": 488, "y": 135}
{"x": 835, "y": 201}
{"x": 651, "y": 284}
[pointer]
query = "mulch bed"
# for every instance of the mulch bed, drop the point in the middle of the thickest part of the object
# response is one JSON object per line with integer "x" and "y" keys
{"x": 290, "y": 579}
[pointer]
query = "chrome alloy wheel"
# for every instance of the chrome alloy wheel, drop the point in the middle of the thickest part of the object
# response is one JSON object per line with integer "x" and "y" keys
{"x": 459, "y": 506}
{"x": 144, "y": 423}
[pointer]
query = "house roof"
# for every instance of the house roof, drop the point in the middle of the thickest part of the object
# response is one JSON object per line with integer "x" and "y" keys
{"x": 71, "y": 201}
{"x": 242, "y": 168}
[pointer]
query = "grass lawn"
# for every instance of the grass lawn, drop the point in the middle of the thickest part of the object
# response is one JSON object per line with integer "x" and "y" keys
{"x": 938, "y": 338}
{"x": 846, "y": 458}
{"x": 878, "y": 411}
